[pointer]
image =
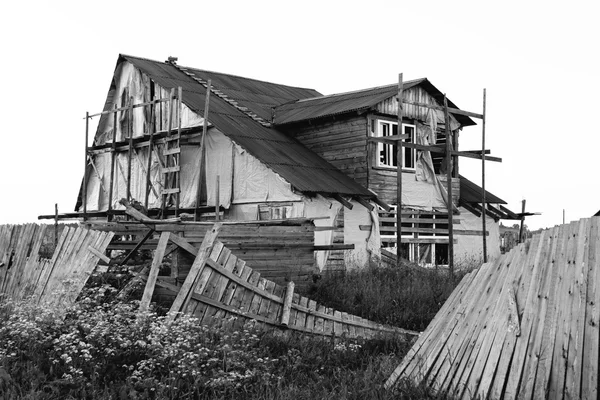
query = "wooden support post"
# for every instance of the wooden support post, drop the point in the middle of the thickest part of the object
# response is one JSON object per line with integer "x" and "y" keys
{"x": 178, "y": 156}
{"x": 154, "y": 269}
{"x": 130, "y": 151}
{"x": 55, "y": 225}
{"x": 201, "y": 166}
{"x": 483, "y": 200}
{"x": 137, "y": 246}
{"x": 84, "y": 197}
{"x": 449, "y": 204}
{"x": 521, "y": 229}
{"x": 113, "y": 150}
{"x": 150, "y": 150}
{"x": 217, "y": 198}
{"x": 399, "y": 172}
{"x": 287, "y": 304}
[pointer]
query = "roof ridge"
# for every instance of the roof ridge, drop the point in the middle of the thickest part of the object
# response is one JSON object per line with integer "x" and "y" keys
{"x": 359, "y": 90}
{"x": 249, "y": 79}
{"x": 222, "y": 95}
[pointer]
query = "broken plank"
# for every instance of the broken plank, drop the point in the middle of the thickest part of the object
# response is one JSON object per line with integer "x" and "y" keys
{"x": 154, "y": 269}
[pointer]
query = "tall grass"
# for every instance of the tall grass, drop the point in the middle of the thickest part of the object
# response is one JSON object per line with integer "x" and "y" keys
{"x": 405, "y": 297}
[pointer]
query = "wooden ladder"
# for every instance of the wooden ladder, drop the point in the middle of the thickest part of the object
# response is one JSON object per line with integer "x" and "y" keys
{"x": 171, "y": 158}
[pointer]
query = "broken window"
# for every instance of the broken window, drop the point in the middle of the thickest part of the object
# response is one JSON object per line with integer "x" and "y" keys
{"x": 420, "y": 236}
{"x": 274, "y": 211}
{"x": 387, "y": 153}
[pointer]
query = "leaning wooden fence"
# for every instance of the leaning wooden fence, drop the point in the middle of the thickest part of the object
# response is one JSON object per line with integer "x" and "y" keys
{"x": 220, "y": 286}
{"x": 524, "y": 326}
{"x": 56, "y": 281}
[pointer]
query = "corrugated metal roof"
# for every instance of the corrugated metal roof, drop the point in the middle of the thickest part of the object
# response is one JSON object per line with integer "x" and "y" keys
{"x": 325, "y": 106}
{"x": 471, "y": 193}
{"x": 301, "y": 167}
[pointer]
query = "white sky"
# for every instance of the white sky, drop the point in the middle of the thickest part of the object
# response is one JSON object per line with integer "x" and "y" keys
{"x": 538, "y": 60}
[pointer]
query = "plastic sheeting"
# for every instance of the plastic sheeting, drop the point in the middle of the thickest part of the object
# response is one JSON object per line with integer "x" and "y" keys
{"x": 133, "y": 87}
{"x": 469, "y": 248}
{"x": 366, "y": 243}
{"x": 430, "y": 193}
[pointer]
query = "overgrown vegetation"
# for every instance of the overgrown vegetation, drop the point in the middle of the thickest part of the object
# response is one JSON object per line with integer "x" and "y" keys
{"x": 104, "y": 349}
{"x": 405, "y": 297}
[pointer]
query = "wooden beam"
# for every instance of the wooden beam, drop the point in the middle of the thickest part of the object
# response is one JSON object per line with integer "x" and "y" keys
{"x": 204, "y": 132}
{"x": 449, "y": 202}
{"x": 333, "y": 247}
{"x": 476, "y": 156}
{"x": 154, "y": 269}
{"x": 151, "y": 129}
{"x": 183, "y": 297}
{"x": 364, "y": 203}
{"x": 112, "y": 161}
{"x": 137, "y": 246}
{"x": 399, "y": 170}
{"x": 127, "y": 107}
{"x": 392, "y": 138}
{"x": 450, "y": 109}
{"x": 287, "y": 304}
{"x": 483, "y": 202}
{"x": 98, "y": 254}
{"x": 344, "y": 202}
{"x": 84, "y": 194}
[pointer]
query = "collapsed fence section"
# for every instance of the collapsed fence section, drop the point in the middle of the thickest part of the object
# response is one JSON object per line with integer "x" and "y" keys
{"x": 56, "y": 281}
{"x": 523, "y": 326}
{"x": 220, "y": 288}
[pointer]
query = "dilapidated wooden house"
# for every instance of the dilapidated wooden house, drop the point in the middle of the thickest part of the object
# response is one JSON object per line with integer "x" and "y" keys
{"x": 276, "y": 152}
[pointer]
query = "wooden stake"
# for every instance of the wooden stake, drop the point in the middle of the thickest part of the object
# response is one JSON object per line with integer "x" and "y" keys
{"x": 150, "y": 149}
{"x": 178, "y": 156}
{"x": 201, "y": 166}
{"x": 154, "y": 269}
{"x": 84, "y": 197}
{"x": 449, "y": 204}
{"x": 217, "y": 198}
{"x": 399, "y": 173}
{"x": 287, "y": 304}
{"x": 521, "y": 229}
{"x": 483, "y": 200}
{"x": 130, "y": 150}
{"x": 55, "y": 224}
{"x": 112, "y": 160}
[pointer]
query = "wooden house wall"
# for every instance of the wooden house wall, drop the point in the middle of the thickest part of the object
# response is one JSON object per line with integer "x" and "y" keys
{"x": 385, "y": 184}
{"x": 280, "y": 253}
{"x": 341, "y": 142}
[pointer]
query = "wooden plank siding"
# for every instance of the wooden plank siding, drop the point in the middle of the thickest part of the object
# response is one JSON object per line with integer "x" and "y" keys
{"x": 383, "y": 182}
{"x": 341, "y": 142}
{"x": 279, "y": 252}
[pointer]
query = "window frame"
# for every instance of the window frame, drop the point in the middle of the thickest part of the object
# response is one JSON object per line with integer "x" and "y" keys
{"x": 378, "y": 130}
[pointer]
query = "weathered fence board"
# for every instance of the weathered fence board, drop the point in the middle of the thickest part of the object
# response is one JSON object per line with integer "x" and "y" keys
{"x": 523, "y": 326}
{"x": 58, "y": 281}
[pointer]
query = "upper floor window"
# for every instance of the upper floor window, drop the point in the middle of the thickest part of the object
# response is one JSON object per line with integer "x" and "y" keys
{"x": 387, "y": 153}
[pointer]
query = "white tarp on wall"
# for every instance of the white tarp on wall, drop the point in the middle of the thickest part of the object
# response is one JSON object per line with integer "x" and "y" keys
{"x": 469, "y": 248}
